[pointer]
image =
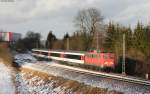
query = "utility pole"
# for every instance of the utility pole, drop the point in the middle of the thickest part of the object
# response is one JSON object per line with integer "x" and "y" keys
{"x": 67, "y": 43}
{"x": 123, "y": 59}
{"x": 97, "y": 41}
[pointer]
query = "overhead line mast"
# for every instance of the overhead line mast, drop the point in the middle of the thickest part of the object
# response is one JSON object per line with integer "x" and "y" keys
{"x": 123, "y": 60}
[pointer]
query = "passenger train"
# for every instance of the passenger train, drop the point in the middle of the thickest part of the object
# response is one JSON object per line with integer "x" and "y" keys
{"x": 95, "y": 58}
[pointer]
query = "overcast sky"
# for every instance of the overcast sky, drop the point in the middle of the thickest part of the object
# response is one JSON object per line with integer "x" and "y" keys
{"x": 58, "y": 15}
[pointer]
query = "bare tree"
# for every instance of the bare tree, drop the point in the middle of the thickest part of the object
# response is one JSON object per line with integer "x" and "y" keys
{"x": 51, "y": 38}
{"x": 87, "y": 19}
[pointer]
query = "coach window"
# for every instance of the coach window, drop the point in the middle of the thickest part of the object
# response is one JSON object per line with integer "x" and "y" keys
{"x": 44, "y": 53}
{"x": 36, "y": 52}
{"x": 78, "y": 57}
{"x": 55, "y": 54}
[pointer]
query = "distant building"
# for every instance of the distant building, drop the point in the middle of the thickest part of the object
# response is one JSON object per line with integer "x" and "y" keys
{"x": 9, "y": 36}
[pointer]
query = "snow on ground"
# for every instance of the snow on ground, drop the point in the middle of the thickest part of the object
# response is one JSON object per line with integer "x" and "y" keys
{"x": 25, "y": 58}
{"x": 34, "y": 82}
{"x": 6, "y": 83}
{"x": 20, "y": 59}
{"x": 127, "y": 88}
{"x": 33, "y": 85}
{"x": 36, "y": 85}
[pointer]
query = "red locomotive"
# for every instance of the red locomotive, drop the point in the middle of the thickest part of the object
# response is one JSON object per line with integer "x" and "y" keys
{"x": 100, "y": 59}
{"x": 95, "y": 58}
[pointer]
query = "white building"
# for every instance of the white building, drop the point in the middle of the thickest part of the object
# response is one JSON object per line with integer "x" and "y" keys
{"x": 9, "y": 36}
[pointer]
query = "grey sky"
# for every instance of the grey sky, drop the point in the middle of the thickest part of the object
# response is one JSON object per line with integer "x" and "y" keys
{"x": 58, "y": 15}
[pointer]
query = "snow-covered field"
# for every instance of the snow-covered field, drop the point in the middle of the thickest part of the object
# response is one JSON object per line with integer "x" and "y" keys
{"x": 6, "y": 84}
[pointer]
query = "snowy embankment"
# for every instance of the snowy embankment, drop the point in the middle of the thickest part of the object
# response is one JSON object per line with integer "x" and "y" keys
{"x": 95, "y": 81}
{"x": 37, "y": 82}
{"x": 34, "y": 82}
{"x": 6, "y": 83}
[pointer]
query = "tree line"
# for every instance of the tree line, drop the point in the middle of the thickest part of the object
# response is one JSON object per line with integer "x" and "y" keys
{"x": 92, "y": 33}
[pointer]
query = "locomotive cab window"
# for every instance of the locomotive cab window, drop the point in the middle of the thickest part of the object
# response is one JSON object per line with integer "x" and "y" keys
{"x": 111, "y": 56}
{"x": 94, "y": 56}
{"x": 88, "y": 55}
{"x": 105, "y": 56}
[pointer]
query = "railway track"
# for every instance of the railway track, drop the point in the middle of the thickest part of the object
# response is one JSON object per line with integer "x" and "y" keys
{"x": 124, "y": 78}
{"x": 44, "y": 54}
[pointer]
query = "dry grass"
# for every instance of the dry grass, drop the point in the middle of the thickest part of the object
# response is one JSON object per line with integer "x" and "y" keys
{"x": 5, "y": 54}
{"x": 6, "y": 57}
{"x": 74, "y": 86}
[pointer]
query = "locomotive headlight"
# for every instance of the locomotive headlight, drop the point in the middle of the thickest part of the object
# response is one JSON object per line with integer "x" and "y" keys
{"x": 106, "y": 63}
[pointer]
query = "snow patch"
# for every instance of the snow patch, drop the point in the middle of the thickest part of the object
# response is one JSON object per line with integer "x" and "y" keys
{"x": 36, "y": 85}
{"x": 127, "y": 88}
{"x": 6, "y": 83}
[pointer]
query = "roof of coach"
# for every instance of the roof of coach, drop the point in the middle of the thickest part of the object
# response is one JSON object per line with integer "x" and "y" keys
{"x": 61, "y": 51}
{"x": 71, "y": 51}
